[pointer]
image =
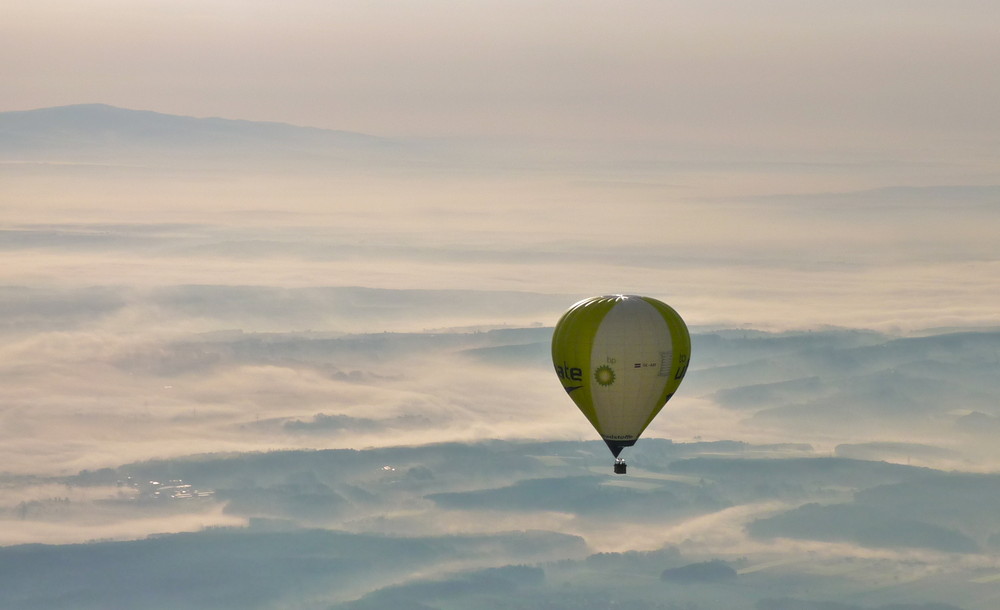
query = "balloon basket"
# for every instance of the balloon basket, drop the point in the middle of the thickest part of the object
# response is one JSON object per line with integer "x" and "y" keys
{"x": 620, "y": 466}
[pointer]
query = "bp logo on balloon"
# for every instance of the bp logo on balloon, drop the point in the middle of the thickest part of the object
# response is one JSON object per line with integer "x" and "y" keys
{"x": 604, "y": 375}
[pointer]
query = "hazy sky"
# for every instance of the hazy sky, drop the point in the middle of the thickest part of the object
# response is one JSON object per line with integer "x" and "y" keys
{"x": 729, "y": 99}
{"x": 804, "y": 75}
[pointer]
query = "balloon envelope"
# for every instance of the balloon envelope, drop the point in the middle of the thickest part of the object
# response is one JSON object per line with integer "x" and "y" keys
{"x": 620, "y": 358}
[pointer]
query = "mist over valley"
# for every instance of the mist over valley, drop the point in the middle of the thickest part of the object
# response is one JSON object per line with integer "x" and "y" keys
{"x": 256, "y": 365}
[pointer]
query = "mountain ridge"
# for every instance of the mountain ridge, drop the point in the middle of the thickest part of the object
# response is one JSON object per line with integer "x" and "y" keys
{"x": 60, "y": 115}
{"x": 101, "y": 131}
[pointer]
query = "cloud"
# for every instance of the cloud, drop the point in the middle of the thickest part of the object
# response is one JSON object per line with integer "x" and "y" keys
{"x": 132, "y": 380}
{"x": 228, "y": 327}
{"x": 86, "y": 528}
{"x": 775, "y": 246}
{"x": 151, "y": 394}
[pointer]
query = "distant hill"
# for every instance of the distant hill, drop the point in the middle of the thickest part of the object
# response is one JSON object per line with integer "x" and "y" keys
{"x": 98, "y": 132}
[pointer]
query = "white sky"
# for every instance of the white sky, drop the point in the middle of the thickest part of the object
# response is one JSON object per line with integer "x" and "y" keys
{"x": 804, "y": 74}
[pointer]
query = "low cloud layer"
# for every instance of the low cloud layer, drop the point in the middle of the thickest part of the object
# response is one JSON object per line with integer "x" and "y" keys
{"x": 244, "y": 367}
{"x": 891, "y": 260}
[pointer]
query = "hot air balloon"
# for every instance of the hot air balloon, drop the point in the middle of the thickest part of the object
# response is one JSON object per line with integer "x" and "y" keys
{"x": 620, "y": 358}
